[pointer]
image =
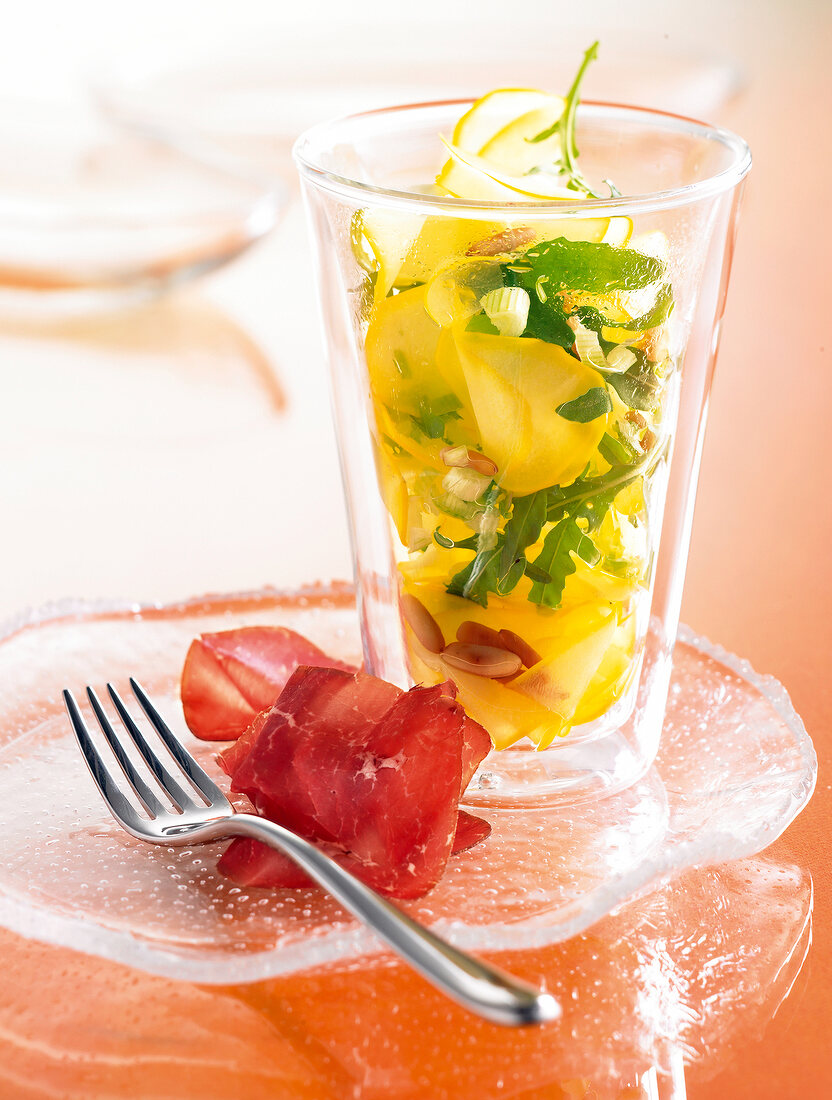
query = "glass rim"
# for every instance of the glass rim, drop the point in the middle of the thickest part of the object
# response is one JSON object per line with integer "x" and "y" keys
{"x": 311, "y": 144}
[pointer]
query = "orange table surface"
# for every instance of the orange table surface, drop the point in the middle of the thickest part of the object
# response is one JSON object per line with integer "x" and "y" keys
{"x": 759, "y": 583}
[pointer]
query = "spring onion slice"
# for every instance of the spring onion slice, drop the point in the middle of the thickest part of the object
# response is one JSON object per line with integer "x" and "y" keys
{"x": 507, "y": 308}
{"x": 620, "y": 359}
{"x": 418, "y": 539}
{"x": 466, "y": 484}
{"x": 588, "y": 346}
{"x": 455, "y": 456}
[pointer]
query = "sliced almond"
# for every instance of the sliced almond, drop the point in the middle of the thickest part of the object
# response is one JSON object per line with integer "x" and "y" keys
{"x": 482, "y": 660}
{"x": 472, "y": 633}
{"x": 635, "y": 418}
{"x": 422, "y": 623}
{"x": 509, "y": 240}
{"x": 513, "y": 642}
{"x": 464, "y": 457}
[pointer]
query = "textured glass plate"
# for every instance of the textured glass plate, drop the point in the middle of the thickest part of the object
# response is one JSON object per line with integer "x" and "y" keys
{"x": 735, "y": 767}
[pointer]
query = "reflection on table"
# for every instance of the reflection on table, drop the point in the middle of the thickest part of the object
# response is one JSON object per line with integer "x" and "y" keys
{"x": 679, "y": 979}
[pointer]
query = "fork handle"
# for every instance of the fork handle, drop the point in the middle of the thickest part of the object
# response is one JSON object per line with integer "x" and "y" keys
{"x": 478, "y": 986}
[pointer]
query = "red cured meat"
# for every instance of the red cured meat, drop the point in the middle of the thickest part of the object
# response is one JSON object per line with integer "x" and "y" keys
{"x": 369, "y": 772}
{"x": 232, "y": 675}
{"x": 231, "y": 758}
{"x": 476, "y": 744}
{"x": 470, "y": 830}
{"x": 251, "y": 863}
{"x": 317, "y": 706}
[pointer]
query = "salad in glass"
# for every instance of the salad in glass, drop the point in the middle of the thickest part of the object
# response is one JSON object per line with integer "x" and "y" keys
{"x": 523, "y": 395}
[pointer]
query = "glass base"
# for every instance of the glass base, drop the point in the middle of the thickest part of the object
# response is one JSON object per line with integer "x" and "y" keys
{"x": 570, "y": 771}
{"x": 592, "y": 761}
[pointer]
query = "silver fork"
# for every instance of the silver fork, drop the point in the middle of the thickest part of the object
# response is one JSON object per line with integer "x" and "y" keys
{"x": 203, "y": 814}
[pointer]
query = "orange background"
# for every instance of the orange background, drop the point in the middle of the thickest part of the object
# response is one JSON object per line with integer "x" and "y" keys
{"x": 758, "y": 578}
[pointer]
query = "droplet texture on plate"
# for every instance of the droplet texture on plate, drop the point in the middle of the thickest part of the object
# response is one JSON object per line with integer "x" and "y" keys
{"x": 734, "y": 767}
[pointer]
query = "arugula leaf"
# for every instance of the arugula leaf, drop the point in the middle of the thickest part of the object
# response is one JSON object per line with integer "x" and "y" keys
{"x": 576, "y": 510}
{"x": 616, "y": 451}
{"x": 480, "y": 576}
{"x": 449, "y": 544}
{"x": 395, "y": 448}
{"x": 637, "y": 387}
{"x": 590, "y": 497}
{"x": 555, "y": 559}
{"x": 554, "y": 266}
{"x": 401, "y": 364}
{"x": 522, "y": 530}
{"x": 591, "y": 265}
{"x": 593, "y": 319}
{"x": 480, "y": 322}
{"x": 477, "y": 579}
{"x": 658, "y": 313}
{"x": 499, "y": 567}
{"x": 589, "y": 406}
{"x": 550, "y": 570}
{"x": 595, "y": 508}
{"x": 433, "y": 417}
{"x": 535, "y": 574}
{"x": 449, "y": 402}
{"x": 509, "y": 580}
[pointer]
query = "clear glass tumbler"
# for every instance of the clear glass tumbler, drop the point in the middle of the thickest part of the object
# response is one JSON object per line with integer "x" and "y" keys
{"x": 520, "y": 392}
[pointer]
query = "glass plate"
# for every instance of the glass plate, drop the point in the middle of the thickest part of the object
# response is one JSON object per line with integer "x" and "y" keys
{"x": 735, "y": 767}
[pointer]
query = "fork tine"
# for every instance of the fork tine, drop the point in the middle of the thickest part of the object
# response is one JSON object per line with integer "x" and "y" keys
{"x": 119, "y": 806}
{"x": 186, "y": 762}
{"x": 149, "y": 800}
{"x": 174, "y": 791}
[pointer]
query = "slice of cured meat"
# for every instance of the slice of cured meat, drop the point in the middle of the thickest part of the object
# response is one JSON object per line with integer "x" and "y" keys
{"x": 470, "y": 830}
{"x": 232, "y": 675}
{"x": 251, "y": 863}
{"x": 370, "y": 773}
{"x": 231, "y": 758}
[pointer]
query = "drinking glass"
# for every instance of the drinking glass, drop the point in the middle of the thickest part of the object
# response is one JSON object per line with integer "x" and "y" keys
{"x": 520, "y": 493}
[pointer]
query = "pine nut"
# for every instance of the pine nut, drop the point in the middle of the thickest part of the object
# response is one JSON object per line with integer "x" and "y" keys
{"x": 422, "y": 623}
{"x": 520, "y": 646}
{"x": 509, "y": 240}
{"x": 482, "y": 660}
{"x": 635, "y": 418}
{"x": 482, "y": 464}
{"x": 464, "y": 457}
{"x": 472, "y": 633}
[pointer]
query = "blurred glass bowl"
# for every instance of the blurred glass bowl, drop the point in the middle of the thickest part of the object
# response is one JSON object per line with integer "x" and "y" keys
{"x": 250, "y": 101}
{"x": 92, "y": 214}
